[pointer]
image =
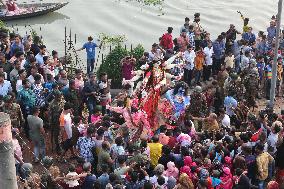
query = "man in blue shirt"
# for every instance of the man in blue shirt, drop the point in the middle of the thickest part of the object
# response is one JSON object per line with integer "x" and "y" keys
{"x": 218, "y": 56}
{"x": 90, "y": 179}
{"x": 271, "y": 32}
{"x": 90, "y": 47}
{"x": 249, "y": 36}
{"x": 26, "y": 98}
{"x": 16, "y": 46}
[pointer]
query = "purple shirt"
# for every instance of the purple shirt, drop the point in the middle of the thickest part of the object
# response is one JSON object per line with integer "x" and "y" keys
{"x": 127, "y": 71}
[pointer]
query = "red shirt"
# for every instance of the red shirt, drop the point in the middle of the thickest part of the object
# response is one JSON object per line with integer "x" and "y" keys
{"x": 255, "y": 136}
{"x": 167, "y": 41}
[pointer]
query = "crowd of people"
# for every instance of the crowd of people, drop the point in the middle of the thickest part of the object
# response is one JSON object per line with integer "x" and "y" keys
{"x": 188, "y": 118}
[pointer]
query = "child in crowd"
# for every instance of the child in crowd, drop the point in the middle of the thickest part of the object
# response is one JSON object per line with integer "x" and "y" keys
{"x": 79, "y": 80}
{"x": 97, "y": 116}
{"x": 82, "y": 128}
{"x": 104, "y": 86}
{"x": 72, "y": 183}
{"x": 49, "y": 82}
{"x": 229, "y": 60}
{"x": 260, "y": 66}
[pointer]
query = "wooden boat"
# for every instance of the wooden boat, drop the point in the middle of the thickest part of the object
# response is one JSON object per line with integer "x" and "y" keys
{"x": 35, "y": 9}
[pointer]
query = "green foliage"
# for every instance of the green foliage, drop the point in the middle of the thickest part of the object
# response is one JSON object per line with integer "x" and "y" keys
{"x": 137, "y": 53}
{"x": 111, "y": 64}
{"x": 3, "y": 27}
{"x": 33, "y": 33}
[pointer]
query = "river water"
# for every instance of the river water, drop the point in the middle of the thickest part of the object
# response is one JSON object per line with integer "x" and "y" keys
{"x": 142, "y": 24}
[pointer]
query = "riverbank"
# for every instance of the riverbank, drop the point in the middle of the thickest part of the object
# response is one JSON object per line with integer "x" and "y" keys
{"x": 141, "y": 24}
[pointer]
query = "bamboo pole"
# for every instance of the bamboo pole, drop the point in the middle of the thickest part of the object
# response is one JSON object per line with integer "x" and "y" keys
{"x": 8, "y": 179}
{"x": 274, "y": 66}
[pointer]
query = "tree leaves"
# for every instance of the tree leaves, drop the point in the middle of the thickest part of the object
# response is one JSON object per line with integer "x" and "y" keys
{"x": 3, "y": 27}
{"x": 111, "y": 64}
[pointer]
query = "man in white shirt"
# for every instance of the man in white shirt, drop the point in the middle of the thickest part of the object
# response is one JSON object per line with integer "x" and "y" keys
{"x": 40, "y": 55}
{"x": 207, "y": 69}
{"x": 34, "y": 71}
{"x": 5, "y": 86}
{"x": 273, "y": 137}
{"x": 189, "y": 56}
{"x": 229, "y": 60}
{"x": 225, "y": 119}
{"x": 156, "y": 53}
{"x": 245, "y": 60}
{"x": 20, "y": 56}
{"x": 15, "y": 72}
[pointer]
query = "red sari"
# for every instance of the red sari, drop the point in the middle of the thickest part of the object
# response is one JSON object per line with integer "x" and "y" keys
{"x": 149, "y": 104}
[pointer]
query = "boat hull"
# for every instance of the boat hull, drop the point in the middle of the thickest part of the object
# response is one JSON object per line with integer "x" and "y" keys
{"x": 40, "y": 9}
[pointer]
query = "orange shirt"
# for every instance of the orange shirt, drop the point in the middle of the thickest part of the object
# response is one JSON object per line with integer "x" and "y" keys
{"x": 61, "y": 120}
{"x": 62, "y": 123}
{"x": 199, "y": 60}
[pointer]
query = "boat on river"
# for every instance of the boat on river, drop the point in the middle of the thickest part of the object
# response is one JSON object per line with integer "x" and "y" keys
{"x": 35, "y": 9}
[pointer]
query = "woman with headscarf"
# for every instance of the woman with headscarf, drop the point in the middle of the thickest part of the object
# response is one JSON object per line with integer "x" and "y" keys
{"x": 184, "y": 182}
{"x": 273, "y": 185}
{"x": 205, "y": 178}
{"x": 187, "y": 160}
{"x": 227, "y": 179}
{"x": 171, "y": 171}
